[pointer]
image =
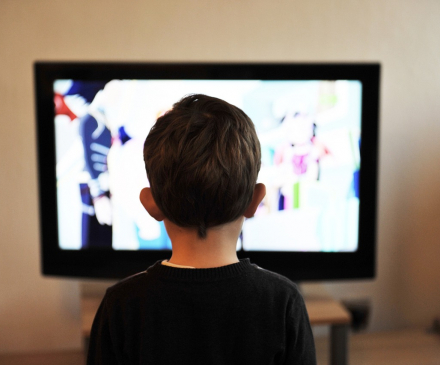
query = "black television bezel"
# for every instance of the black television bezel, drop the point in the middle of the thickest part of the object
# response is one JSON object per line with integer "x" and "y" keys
{"x": 298, "y": 266}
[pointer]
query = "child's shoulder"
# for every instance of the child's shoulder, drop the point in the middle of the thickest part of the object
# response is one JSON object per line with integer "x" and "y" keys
{"x": 275, "y": 281}
{"x": 128, "y": 285}
{"x": 246, "y": 277}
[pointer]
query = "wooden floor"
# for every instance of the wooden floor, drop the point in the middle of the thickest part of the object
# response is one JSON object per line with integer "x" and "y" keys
{"x": 410, "y": 347}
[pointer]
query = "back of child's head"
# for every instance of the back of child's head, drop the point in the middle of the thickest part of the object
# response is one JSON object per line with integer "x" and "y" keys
{"x": 202, "y": 159}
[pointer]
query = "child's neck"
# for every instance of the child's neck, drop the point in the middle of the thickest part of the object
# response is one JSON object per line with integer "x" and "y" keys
{"x": 217, "y": 249}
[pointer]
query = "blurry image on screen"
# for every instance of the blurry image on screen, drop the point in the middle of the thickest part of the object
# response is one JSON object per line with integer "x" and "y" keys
{"x": 310, "y": 138}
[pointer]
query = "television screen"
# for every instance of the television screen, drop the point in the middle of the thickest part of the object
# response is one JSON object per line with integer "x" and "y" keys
{"x": 310, "y": 137}
{"x": 317, "y": 126}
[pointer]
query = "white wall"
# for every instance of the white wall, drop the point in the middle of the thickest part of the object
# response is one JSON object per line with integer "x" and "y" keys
{"x": 37, "y": 313}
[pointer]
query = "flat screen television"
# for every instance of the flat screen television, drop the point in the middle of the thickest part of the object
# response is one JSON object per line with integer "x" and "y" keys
{"x": 318, "y": 129}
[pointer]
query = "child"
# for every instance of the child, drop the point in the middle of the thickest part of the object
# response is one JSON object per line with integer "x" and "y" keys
{"x": 203, "y": 305}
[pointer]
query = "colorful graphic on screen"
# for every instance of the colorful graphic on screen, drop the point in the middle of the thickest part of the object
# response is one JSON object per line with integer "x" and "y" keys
{"x": 310, "y": 133}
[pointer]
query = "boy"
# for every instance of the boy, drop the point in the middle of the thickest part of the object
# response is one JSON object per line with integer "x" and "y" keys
{"x": 203, "y": 305}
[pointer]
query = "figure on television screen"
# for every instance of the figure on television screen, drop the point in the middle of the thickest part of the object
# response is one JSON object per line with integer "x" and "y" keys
{"x": 298, "y": 156}
{"x": 96, "y": 141}
{"x": 123, "y": 107}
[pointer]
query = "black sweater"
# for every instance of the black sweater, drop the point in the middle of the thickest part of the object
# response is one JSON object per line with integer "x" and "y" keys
{"x": 235, "y": 314}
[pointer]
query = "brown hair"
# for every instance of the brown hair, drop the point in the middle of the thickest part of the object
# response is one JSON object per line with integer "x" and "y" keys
{"x": 202, "y": 160}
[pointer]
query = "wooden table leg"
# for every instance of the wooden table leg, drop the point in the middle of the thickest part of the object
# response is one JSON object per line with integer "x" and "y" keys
{"x": 339, "y": 344}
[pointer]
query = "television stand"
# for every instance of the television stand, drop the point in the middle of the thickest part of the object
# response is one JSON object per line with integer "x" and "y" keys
{"x": 322, "y": 310}
{"x": 325, "y": 311}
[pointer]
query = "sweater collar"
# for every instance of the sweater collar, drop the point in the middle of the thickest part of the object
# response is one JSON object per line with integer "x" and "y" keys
{"x": 210, "y": 274}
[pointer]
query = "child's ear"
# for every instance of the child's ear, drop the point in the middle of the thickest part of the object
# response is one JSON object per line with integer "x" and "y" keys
{"x": 259, "y": 194}
{"x": 149, "y": 204}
